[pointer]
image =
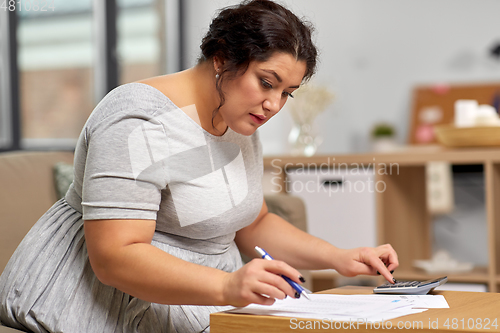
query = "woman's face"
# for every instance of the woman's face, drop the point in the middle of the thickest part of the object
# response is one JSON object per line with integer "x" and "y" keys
{"x": 257, "y": 95}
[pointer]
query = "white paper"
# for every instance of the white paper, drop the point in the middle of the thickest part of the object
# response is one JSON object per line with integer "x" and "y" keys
{"x": 359, "y": 308}
{"x": 418, "y": 301}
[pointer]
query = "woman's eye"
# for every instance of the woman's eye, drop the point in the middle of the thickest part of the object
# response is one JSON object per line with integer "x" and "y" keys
{"x": 266, "y": 84}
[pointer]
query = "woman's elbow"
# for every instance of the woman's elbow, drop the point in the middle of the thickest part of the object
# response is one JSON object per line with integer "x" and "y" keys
{"x": 101, "y": 269}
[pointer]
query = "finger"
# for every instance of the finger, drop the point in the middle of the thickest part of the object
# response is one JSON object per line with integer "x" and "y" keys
{"x": 253, "y": 297}
{"x": 263, "y": 300}
{"x": 267, "y": 279}
{"x": 380, "y": 267}
{"x": 393, "y": 261}
{"x": 390, "y": 259}
{"x": 278, "y": 283}
{"x": 392, "y": 272}
{"x": 282, "y": 268}
{"x": 271, "y": 291}
{"x": 390, "y": 267}
{"x": 387, "y": 253}
{"x": 377, "y": 265}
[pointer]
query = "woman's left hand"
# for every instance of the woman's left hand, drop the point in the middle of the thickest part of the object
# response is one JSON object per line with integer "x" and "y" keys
{"x": 367, "y": 261}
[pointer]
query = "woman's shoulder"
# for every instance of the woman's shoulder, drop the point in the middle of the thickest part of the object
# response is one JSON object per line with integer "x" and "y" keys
{"x": 176, "y": 87}
{"x": 135, "y": 93}
{"x": 131, "y": 98}
{"x": 128, "y": 103}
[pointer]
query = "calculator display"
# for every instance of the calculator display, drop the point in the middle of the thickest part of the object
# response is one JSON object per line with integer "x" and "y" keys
{"x": 423, "y": 283}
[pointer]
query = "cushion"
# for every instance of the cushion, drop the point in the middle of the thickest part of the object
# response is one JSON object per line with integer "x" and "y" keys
{"x": 63, "y": 177}
{"x": 289, "y": 207}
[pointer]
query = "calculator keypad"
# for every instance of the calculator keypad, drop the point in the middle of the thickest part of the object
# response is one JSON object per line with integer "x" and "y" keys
{"x": 407, "y": 284}
{"x": 410, "y": 287}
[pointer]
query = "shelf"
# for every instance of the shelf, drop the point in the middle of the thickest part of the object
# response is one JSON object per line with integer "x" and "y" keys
{"x": 403, "y": 219}
{"x": 477, "y": 275}
{"x": 325, "y": 274}
{"x": 407, "y": 155}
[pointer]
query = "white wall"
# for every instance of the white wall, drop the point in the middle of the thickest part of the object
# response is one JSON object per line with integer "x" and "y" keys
{"x": 372, "y": 53}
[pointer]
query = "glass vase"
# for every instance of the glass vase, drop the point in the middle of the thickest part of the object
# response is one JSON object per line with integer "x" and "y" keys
{"x": 304, "y": 139}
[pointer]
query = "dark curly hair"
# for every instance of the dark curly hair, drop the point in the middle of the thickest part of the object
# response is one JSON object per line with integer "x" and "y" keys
{"x": 253, "y": 31}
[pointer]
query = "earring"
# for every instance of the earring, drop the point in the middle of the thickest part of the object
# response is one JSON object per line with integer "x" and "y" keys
{"x": 217, "y": 76}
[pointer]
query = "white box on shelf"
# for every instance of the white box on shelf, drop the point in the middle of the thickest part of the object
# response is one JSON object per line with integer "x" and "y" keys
{"x": 340, "y": 204}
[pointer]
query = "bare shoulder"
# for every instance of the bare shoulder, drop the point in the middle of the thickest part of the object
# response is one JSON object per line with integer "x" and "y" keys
{"x": 175, "y": 86}
{"x": 163, "y": 83}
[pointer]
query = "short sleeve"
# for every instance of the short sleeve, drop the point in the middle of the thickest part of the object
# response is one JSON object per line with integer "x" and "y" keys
{"x": 124, "y": 171}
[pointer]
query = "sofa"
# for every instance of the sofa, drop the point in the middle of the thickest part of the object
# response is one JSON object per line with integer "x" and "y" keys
{"x": 28, "y": 188}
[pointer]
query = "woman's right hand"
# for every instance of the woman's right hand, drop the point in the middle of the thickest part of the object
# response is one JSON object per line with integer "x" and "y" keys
{"x": 257, "y": 278}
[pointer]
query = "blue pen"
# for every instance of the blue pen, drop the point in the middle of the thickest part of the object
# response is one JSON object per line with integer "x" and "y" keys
{"x": 295, "y": 285}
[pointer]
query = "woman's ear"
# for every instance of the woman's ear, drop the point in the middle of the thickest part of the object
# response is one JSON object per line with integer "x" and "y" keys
{"x": 218, "y": 64}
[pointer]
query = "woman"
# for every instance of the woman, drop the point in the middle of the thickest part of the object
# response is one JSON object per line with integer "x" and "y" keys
{"x": 167, "y": 191}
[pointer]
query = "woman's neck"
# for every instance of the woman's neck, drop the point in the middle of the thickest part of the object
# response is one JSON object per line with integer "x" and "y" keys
{"x": 206, "y": 97}
{"x": 194, "y": 92}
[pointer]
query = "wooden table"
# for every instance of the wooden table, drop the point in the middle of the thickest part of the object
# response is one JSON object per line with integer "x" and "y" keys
{"x": 468, "y": 312}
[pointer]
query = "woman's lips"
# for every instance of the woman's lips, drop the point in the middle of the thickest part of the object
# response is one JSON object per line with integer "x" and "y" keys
{"x": 259, "y": 119}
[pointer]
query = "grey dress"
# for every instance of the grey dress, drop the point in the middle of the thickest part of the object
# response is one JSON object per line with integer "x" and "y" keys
{"x": 138, "y": 157}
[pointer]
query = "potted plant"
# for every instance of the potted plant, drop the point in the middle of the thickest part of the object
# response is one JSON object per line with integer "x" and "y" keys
{"x": 383, "y": 136}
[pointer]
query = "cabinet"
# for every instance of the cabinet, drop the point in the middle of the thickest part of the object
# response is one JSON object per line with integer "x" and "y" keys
{"x": 333, "y": 199}
{"x": 402, "y": 217}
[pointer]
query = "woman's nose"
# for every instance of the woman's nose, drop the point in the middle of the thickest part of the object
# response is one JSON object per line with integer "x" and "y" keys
{"x": 273, "y": 103}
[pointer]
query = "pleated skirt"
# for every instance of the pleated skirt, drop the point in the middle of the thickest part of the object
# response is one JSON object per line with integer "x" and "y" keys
{"x": 49, "y": 286}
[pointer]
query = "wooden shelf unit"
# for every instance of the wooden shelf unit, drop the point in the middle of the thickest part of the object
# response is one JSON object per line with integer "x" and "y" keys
{"x": 477, "y": 275}
{"x": 402, "y": 216}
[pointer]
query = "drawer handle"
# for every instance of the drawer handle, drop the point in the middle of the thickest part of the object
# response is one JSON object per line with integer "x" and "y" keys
{"x": 332, "y": 182}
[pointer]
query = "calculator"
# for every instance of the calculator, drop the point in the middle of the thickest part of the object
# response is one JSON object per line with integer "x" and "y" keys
{"x": 410, "y": 287}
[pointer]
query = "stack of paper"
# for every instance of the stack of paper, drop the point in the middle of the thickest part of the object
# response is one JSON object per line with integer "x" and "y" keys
{"x": 366, "y": 308}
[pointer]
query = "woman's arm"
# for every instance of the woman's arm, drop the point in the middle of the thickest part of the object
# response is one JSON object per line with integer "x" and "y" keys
{"x": 121, "y": 255}
{"x": 304, "y": 251}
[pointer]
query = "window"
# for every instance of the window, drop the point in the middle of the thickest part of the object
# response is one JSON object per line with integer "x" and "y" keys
{"x": 57, "y": 62}
{"x": 139, "y": 39}
{"x": 5, "y": 122}
{"x": 9, "y": 115}
{"x": 56, "y": 73}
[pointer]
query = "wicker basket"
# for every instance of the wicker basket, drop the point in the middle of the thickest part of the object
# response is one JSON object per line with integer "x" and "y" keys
{"x": 478, "y": 136}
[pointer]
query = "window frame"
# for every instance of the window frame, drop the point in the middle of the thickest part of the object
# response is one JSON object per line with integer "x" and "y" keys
{"x": 10, "y": 124}
{"x": 106, "y": 67}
